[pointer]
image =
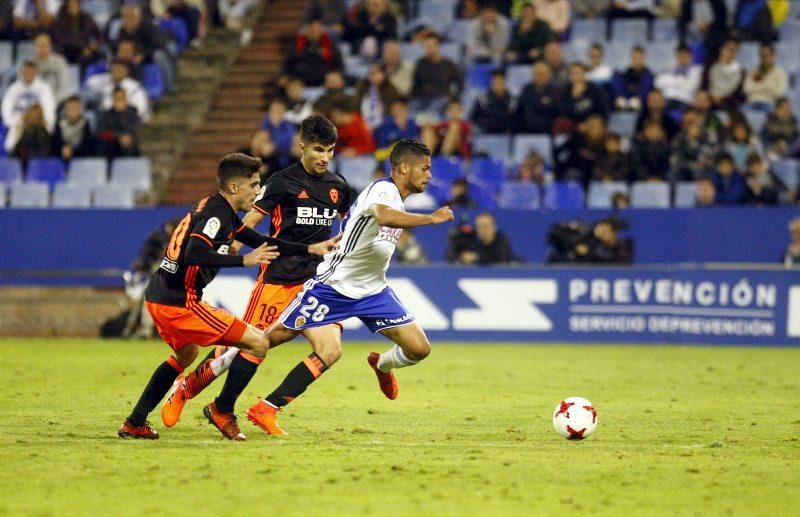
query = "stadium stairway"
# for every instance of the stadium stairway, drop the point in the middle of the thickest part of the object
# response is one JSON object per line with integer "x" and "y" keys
{"x": 236, "y": 109}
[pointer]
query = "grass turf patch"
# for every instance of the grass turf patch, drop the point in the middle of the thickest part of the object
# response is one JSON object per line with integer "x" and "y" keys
{"x": 681, "y": 430}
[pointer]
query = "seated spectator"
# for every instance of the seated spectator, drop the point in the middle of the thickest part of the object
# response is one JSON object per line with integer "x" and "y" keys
{"x": 742, "y": 144}
{"x": 492, "y": 109}
{"x": 704, "y": 21}
{"x": 537, "y": 107}
{"x": 489, "y": 36}
{"x": 780, "y": 133}
{"x": 118, "y": 127}
{"x": 492, "y": 246}
{"x": 532, "y": 170}
{"x": 335, "y": 90}
{"x": 627, "y": 9}
{"x": 581, "y": 99}
{"x": 791, "y": 257}
{"x": 692, "y": 152}
{"x": 620, "y": 201}
{"x": 436, "y": 78}
{"x": 130, "y": 55}
{"x": 52, "y": 67}
{"x": 281, "y": 130}
{"x": 451, "y": 137}
{"x": 714, "y": 130}
{"x": 556, "y": 13}
{"x": 396, "y": 126}
{"x": 728, "y": 183}
{"x": 679, "y": 85}
{"x": 371, "y": 25}
{"x": 762, "y": 188}
{"x": 613, "y": 165}
{"x": 234, "y": 12}
{"x": 590, "y": 8}
{"x": 355, "y": 138}
{"x": 73, "y": 135}
{"x": 655, "y": 108}
{"x": 459, "y": 196}
{"x": 598, "y": 72}
{"x": 409, "y": 250}
{"x": 313, "y": 54}
{"x": 529, "y": 37}
{"x": 461, "y": 244}
{"x": 764, "y": 85}
{"x": 102, "y": 86}
{"x": 752, "y": 21}
{"x": 576, "y": 159}
{"x": 630, "y": 88}
{"x": 34, "y": 139}
{"x": 467, "y": 9}
{"x": 150, "y": 41}
{"x": 297, "y": 109}
{"x": 725, "y": 77}
{"x": 374, "y": 95}
{"x": 559, "y": 69}
{"x": 400, "y": 73}
{"x": 23, "y": 93}
{"x": 706, "y": 194}
{"x": 262, "y": 147}
{"x": 191, "y": 12}
{"x": 606, "y": 246}
{"x": 76, "y": 35}
{"x": 332, "y": 14}
{"x": 650, "y": 154}
{"x": 33, "y": 16}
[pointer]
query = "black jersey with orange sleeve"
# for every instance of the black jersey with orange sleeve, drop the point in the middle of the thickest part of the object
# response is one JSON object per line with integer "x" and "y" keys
{"x": 199, "y": 247}
{"x": 302, "y": 207}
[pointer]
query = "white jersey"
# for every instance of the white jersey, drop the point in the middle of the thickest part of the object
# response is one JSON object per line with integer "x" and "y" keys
{"x": 358, "y": 268}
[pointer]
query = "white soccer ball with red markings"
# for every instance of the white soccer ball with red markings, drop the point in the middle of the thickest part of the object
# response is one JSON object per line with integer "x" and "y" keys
{"x": 575, "y": 418}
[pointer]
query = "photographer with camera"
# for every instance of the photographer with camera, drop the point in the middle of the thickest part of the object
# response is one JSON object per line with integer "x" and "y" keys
{"x": 576, "y": 242}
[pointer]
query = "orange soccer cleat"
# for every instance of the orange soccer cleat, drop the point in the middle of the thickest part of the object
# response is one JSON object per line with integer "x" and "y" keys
{"x": 386, "y": 380}
{"x": 172, "y": 408}
{"x": 129, "y": 430}
{"x": 265, "y": 416}
{"x": 225, "y": 422}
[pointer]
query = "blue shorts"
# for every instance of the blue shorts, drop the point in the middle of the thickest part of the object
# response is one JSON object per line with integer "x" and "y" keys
{"x": 322, "y": 305}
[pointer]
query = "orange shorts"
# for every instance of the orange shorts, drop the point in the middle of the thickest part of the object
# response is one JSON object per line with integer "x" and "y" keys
{"x": 267, "y": 302}
{"x": 200, "y": 324}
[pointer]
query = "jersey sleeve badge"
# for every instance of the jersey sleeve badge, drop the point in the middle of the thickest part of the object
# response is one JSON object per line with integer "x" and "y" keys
{"x": 212, "y": 227}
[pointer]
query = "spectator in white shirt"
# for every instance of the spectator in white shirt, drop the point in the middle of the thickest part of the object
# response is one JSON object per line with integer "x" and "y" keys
{"x": 103, "y": 85}
{"x": 52, "y": 68}
{"x": 489, "y": 36}
{"x": 32, "y": 16}
{"x": 26, "y": 91}
{"x": 725, "y": 77}
{"x": 598, "y": 72}
{"x": 764, "y": 85}
{"x": 679, "y": 85}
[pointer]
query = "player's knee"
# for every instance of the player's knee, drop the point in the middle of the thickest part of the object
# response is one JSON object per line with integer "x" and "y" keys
{"x": 186, "y": 355}
{"x": 329, "y": 352}
{"x": 419, "y": 350}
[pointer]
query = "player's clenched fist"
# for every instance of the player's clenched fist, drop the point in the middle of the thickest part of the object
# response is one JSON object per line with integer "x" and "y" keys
{"x": 261, "y": 255}
{"x": 442, "y": 215}
{"x": 321, "y": 248}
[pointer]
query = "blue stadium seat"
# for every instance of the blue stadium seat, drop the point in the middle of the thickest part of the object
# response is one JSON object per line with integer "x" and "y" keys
{"x": 748, "y": 54}
{"x": 665, "y": 29}
{"x": 438, "y": 12}
{"x": 312, "y": 93}
{"x": 482, "y": 195}
{"x": 177, "y": 28}
{"x": 133, "y": 173}
{"x": 412, "y": 51}
{"x": 618, "y": 54}
{"x": 600, "y": 193}
{"x": 74, "y": 78}
{"x": 496, "y": 146}
{"x": 660, "y": 56}
{"x": 357, "y": 170}
{"x": 489, "y": 171}
{"x": 517, "y": 76}
{"x": 112, "y": 196}
{"x": 468, "y": 98}
{"x": 630, "y": 30}
{"x": 588, "y": 30}
{"x": 452, "y": 50}
{"x": 3, "y": 133}
{"x": 755, "y": 119}
{"x": 24, "y": 51}
{"x": 440, "y": 190}
{"x": 97, "y": 68}
{"x": 525, "y": 143}
{"x": 650, "y": 194}
{"x": 47, "y": 170}
{"x": 10, "y": 170}
{"x": 789, "y": 30}
{"x": 479, "y": 76}
{"x": 68, "y": 195}
{"x": 685, "y": 194}
{"x": 787, "y": 54}
{"x": 6, "y": 54}
{"x": 87, "y": 172}
{"x": 153, "y": 81}
{"x": 446, "y": 168}
{"x": 563, "y": 195}
{"x": 458, "y": 30}
{"x": 516, "y": 194}
{"x": 100, "y": 10}
{"x": 3, "y": 195}
{"x": 623, "y": 123}
{"x": 29, "y": 195}
{"x": 787, "y": 171}
{"x": 576, "y": 50}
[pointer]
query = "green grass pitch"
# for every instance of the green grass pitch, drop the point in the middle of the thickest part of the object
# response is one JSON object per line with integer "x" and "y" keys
{"x": 702, "y": 431}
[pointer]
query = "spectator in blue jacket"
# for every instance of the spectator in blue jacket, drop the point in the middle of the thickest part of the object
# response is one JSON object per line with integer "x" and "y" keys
{"x": 280, "y": 129}
{"x": 630, "y": 87}
{"x": 729, "y": 184}
{"x": 396, "y": 126}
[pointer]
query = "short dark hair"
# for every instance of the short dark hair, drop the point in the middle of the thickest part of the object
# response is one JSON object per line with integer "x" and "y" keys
{"x": 316, "y": 129}
{"x": 72, "y": 98}
{"x": 724, "y": 157}
{"x": 405, "y": 148}
{"x": 498, "y": 72}
{"x": 236, "y": 165}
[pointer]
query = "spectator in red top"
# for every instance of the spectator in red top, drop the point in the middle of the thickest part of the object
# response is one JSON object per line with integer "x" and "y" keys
{"x": 451, "y": 137}
{"x": 355, "y": 138}
{"x": 313, "y": 54}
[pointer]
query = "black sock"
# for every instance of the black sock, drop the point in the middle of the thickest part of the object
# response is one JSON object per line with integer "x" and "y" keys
{"x": 297, "y": 381}
{"x": 239, "y": 374}
{"x": 159, "y": 385}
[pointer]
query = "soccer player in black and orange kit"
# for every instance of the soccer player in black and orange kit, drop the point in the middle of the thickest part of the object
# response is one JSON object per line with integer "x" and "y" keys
{"x": 302, "y": 201}
{"x": 198, "y": 248}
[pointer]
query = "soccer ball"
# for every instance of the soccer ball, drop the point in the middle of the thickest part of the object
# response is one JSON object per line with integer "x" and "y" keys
{"x": 575, "y": 418}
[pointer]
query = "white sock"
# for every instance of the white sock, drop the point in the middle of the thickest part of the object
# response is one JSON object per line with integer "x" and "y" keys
{"x": 221, "y": 364}
{"x": 394, "y": 358}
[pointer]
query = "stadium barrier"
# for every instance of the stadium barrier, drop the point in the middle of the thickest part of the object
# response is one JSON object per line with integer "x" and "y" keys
{"x": 683, "y": 305}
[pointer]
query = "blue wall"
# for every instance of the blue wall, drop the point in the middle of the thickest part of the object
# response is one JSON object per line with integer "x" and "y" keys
{"x": 84, "y": 239}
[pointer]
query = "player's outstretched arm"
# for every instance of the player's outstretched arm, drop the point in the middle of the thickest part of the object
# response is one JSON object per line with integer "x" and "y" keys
{"x": 386, "y": 216}
{"x": 254, "y": 239}
{"x": 251, "y": 219}
{"x": 199, "y": 253}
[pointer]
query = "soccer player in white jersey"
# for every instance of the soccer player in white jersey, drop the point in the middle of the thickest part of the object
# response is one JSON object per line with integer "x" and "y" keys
{"x": 352, "y": 283}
